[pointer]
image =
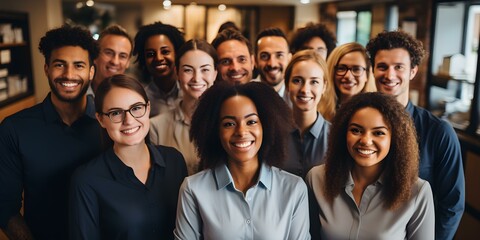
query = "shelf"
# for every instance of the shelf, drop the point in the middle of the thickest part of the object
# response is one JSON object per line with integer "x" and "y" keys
{"x": 9, "y": 45}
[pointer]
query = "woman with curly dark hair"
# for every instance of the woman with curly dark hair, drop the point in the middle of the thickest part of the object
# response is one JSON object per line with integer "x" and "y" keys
{"x": 369, "y": 186}
{"x": 240, "y": 133}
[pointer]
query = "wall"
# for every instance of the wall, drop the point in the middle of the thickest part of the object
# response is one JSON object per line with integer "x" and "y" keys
{"x": 48, "y": 12}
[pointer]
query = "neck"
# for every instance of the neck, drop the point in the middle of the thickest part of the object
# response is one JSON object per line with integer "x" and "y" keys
{"x": 304, "y": 119}
{"x": 165, "y": 84}
{"x": 188, "y": 106}
{"x": 343, "y": 98}
{"x": 69, "y": 111}
{"x": 365, "y": 176}
{"x": 244, "y": 175}
{"x": 279, "y": 86}
{"x": 137, "y": 157}
{"x": 95, "y": 82}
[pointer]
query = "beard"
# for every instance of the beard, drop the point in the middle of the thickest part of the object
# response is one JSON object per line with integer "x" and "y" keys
{"x": 73, "y": 99}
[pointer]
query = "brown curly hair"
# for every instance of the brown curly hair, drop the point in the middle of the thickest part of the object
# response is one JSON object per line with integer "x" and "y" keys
{"x": 397, "y": 39}
{"x": 401, "y": 163}
{"x": 274, "y": 114}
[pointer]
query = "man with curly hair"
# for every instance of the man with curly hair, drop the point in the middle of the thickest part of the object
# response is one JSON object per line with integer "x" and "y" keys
{"x": 155, "y": 47}
{"x": 314, "y": 36}
{"x": 395, "y": 58}
{"x": 42, "y": 145}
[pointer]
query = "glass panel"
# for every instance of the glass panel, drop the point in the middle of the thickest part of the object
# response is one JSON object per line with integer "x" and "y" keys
{"x": 346, "y": 26}
{"x": 364, "y": 26}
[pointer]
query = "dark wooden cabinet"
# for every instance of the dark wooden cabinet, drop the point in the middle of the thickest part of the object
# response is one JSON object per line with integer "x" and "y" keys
{"x": 16, "y": 78}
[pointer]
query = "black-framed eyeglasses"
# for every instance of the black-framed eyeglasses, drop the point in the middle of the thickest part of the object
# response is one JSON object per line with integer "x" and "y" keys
{"x": 118, "y": 115}
{"x": 341, "y": 70}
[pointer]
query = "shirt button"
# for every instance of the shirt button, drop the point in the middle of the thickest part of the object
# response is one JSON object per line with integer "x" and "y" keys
{"x": 248, "y": 221}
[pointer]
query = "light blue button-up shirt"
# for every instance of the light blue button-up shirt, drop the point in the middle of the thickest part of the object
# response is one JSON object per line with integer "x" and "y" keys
{"x": 210, "y": 207}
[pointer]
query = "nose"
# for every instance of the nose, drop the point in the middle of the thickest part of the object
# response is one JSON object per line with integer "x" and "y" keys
{"x": 348, "y": 74}
{"x": 69, "y": 72}
{"x": 305, "y": 88}
{"x": 115, "y": 59}
{"x": 390, "y": 73}
{"x": 272, "y": 61}
{"x": 197, "y": 75}
{"x": 240, "y": 130}
{"x": 128, "y": 118}
{"x": 159, "y": 56}
{"x": 365, "y": 139}
{"x": 234, "y": 66}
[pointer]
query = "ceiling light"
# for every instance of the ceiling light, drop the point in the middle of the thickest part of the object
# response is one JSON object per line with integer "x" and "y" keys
{"x": 222, "y": 7}
{"x": 305, "y": 1}
{"x": 167, "y": 4}
{"x": 90, "y": 3}
{"x": 79, "y": 5}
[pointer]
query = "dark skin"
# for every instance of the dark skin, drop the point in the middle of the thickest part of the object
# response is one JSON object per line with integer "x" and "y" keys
{"x": 17, "y": 229}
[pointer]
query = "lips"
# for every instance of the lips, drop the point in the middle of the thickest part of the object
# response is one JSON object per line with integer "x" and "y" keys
{"x": 67, "y": 84}
{"x": 197, "y": 87}
{"x": 242, "y": 144}
{"x": 130, "y": 131}
{"x": 304, "y": 99}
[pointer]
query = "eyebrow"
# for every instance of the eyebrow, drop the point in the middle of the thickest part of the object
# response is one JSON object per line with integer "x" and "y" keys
{"x": 375, "y": 128}
{"x": 233, "y": 118}
{"x": 117, "y": 108}
{"x": 190, "y": 66}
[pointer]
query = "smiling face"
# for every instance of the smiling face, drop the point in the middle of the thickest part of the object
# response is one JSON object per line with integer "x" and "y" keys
{"x": 69, "y": 73}
{"x": 114, "y": 56}
{"x": 240, "y": 129}
{"x": 160, "y": 56}
{"x": 196, "y": 73}
{"x": 272, "y": 59}
{"x": 349, "y": 85}
{"x": 368, "y": 138}
{"x": 306, "y": 86}
{"x": 393, "y": 72}
{"x": 131, "y": 131}
{"x": 235, "y": 62}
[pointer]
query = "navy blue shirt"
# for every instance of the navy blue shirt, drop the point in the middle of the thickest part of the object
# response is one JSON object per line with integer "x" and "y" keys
{"x": 38, "y": 154}
{"x": 303, "y": 154}
{"x": 107, "y": 201}
{"x": 441, "y": 165}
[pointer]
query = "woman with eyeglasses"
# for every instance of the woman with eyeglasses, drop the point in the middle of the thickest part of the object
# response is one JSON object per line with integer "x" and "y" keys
{"x": 350, "y": 74}
{"x": 130, "y": 191}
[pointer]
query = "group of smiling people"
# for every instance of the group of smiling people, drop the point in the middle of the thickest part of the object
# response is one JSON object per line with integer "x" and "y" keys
{"x": 335, "y": 159}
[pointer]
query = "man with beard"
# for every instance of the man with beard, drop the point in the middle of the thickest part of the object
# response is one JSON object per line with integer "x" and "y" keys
{"x": 273, "y": 56}
{"x": 395, "y": 57}
{"x": 155, "y": 48}
{"x": 235, "y": 56}
{"x": 41, "y": 146}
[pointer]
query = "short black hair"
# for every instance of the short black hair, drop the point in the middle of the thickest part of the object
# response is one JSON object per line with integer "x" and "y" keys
{"x": 156, "y": 28}
{"x": 68, "y": 35}
{"x": 267, "y": 32}
{"x": 397, "y": 39}
{"x": 303, "y": 35}
{"x": 228, "y": 24}
{"x": 274, "y": 114}
{"x": 231, "y": 34}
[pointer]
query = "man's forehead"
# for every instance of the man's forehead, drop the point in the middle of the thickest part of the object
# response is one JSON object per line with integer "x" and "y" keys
{"x": 232, "y": 45}
{"x": 395, "y": 54}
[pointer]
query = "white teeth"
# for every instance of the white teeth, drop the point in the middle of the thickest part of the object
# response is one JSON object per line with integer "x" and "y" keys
{"x": 243, "y": 144}
{"x": 236, "y": 76}
{"x": 366, "y": 152}
{"x": 66, "y": 84}
{"x": 390, "y": 84}
{"x": 129, "y": 131}
{"x": 196, "y": 87}
{"x": 305, "y": 99}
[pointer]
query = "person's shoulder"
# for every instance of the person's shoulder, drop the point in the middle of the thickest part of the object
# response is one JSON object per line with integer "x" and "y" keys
{"x": 316, "y": 174}
{"x": 162, "y": 120}
{"x": 29, "y": 114}
{"x": 432, "y": 122}
{"x": 201, "y": 181}
{"x": 287, "y": 179}
{"x": 168, "y": 152}
{"x": 421, "y": 188}
{"x": 91, "y": 169}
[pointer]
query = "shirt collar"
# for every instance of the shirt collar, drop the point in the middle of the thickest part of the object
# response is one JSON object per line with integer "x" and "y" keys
{"x": 350, "y": 182}
{"x": 223, "y": 177}
{"x": 174, "y": 92}
{"x": 51, "y": 114}
{"x": 179, "y": 116}
{"x": 317, "y": 127}
{"x": 122, "y": 171}
{"x": 410, "y": 108}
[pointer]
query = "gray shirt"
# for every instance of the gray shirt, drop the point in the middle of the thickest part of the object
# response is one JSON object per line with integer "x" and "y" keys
{"x": 210, "y": 207}
{"x": 303, "y": 154}
{"x": 342, "y": 219}
{"x": 160, "y": 101}
{"x": 172, "y": 129}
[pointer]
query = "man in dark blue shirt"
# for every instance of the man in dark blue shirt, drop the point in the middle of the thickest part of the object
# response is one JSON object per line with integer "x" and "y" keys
{"x": 395, "y": 58}
{"x": 41, "y": 146}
